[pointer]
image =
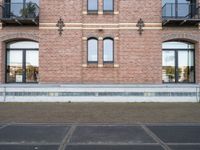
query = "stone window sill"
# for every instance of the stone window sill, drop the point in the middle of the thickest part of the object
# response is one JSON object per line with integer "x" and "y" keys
{"x": 100, "y": 13}
{"x": 107, "y": 65}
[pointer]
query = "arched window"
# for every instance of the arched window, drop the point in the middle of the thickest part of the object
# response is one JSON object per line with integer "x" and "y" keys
{"x": 92, "y": 50}
{"x": 92, "y": 5}
{"x": 108, "y": 50}
{"x": 108, "y": 5}
{"x": 178, "y": 62}
{"x": 22, "y": 62}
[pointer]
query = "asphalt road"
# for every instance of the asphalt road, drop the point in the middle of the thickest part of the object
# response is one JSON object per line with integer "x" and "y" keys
{"x": 99, "y": 137}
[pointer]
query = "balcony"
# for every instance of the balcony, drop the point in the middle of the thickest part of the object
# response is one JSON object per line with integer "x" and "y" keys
{"x": 180, "y": 14}
{"x": 20, "y": 14}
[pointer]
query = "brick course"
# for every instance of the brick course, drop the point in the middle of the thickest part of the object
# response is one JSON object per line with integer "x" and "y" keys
{"x": 63, "y": 59}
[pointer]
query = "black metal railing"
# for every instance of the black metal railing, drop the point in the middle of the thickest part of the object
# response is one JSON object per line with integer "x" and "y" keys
{"x": 20, "y": 10}
{"x": 180, "y": 11}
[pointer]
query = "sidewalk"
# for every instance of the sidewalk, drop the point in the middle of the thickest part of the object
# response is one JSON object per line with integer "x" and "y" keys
{"x": 126, "y": 113}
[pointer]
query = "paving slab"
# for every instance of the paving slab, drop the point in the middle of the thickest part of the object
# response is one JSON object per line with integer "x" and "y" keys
{"x": 33, "y": 134}
{"x": 177, "y": 134}
{"x": 28, "y": 147}
{"x": 113, "y": 147}
{"x": 185, "y": 147}
{"x": 110, "y": 134}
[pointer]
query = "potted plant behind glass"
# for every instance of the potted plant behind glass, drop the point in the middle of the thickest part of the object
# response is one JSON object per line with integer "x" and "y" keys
{"x": 29, "y": 10}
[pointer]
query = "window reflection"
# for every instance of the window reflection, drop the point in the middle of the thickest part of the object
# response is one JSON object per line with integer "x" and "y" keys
{"x": 92, "y": 5}
{"x": 24, "y": 1}
{"x": 23, "y": 44}
{"x": 177, "y": 45}
{"x": 92, "y": 50}
{"x": 108, "y": 5}
{"x": 14, "y": 66}
{"x": 108, "y": 50}
{"x": 174, "y": 1}
{"x": 186, "y": 66}
{"x": 23, "y": 8}
{"x": 178, "y": 8}
{"x": 168, "y": 70}
{"x": 32, "y": 66}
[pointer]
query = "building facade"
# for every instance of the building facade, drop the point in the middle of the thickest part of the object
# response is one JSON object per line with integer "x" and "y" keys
{"x": 99, "y": 41}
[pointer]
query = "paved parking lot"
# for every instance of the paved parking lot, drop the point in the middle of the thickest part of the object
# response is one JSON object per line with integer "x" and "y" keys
{"x": 99, "y": 137}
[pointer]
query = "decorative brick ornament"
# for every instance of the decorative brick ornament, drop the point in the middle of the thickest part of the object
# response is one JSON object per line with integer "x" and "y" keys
{"x": 140, "y": 25}
{"x": 60, "y": 26}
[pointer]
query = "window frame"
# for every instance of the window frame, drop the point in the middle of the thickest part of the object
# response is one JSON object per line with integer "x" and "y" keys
{"x": 113, "y": 50}
{"x": 24, "y": 50}
{"x": 176, "y": 50}
{"x": 109, "y": 11}
{"x": 92, "y": 62}
{"x": 92, "y": 11}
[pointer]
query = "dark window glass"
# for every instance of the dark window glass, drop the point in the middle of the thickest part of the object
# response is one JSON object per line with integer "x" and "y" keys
{"x": 108, "y": 50}
{"x": 92, "y": 5}
{"x": 108, "y": 5}
{"x": 92, "y": 50}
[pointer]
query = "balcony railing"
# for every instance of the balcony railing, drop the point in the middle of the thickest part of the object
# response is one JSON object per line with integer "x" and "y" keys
{"x": 180, "y": 14}
{"x": 20, "y": 13}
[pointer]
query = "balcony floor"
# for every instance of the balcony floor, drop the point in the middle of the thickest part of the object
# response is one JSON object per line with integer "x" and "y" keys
{"x": 20, "y": 21}
{"x": 180, "y": 22}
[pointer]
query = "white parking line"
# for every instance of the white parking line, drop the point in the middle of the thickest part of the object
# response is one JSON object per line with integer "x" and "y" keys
{"x": 114, "y": 144}
{"x": 157, "y": 139}
{"x": 5, "y": 125}
{"x": 67, "y": 138}
{"x": 183, "y": 144}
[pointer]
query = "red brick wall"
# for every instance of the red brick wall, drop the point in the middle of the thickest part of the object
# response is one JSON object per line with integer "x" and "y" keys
{"x": 60, "y": 57}
{"x": 63, "y": 59}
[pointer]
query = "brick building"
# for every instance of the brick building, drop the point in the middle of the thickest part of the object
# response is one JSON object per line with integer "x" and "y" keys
{"x": 100, "y": 41}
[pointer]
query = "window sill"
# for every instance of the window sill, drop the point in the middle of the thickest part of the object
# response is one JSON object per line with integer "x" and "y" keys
{"x": 90, "y": 65}
{"x": 90, "y": 12}
{"x": 105, "y": 65}
{"x": 100, "y": 13}
{"x": 108, "y": 12}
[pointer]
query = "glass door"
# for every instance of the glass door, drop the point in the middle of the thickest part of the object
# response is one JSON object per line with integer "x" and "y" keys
{"x": 185, "y": 66}
{"x": 22, "y": 65}
{"x": 32, "y": 66}
{"x": 178, "y": 62}
{"x": 168, "y": 70}
{"x": 178, "y": 66}
{"x": 15, "y": 66}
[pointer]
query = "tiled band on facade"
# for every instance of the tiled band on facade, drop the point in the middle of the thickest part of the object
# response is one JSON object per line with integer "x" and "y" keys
{"x": 132, "y": 94}
{"x": 99, "y": 93}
